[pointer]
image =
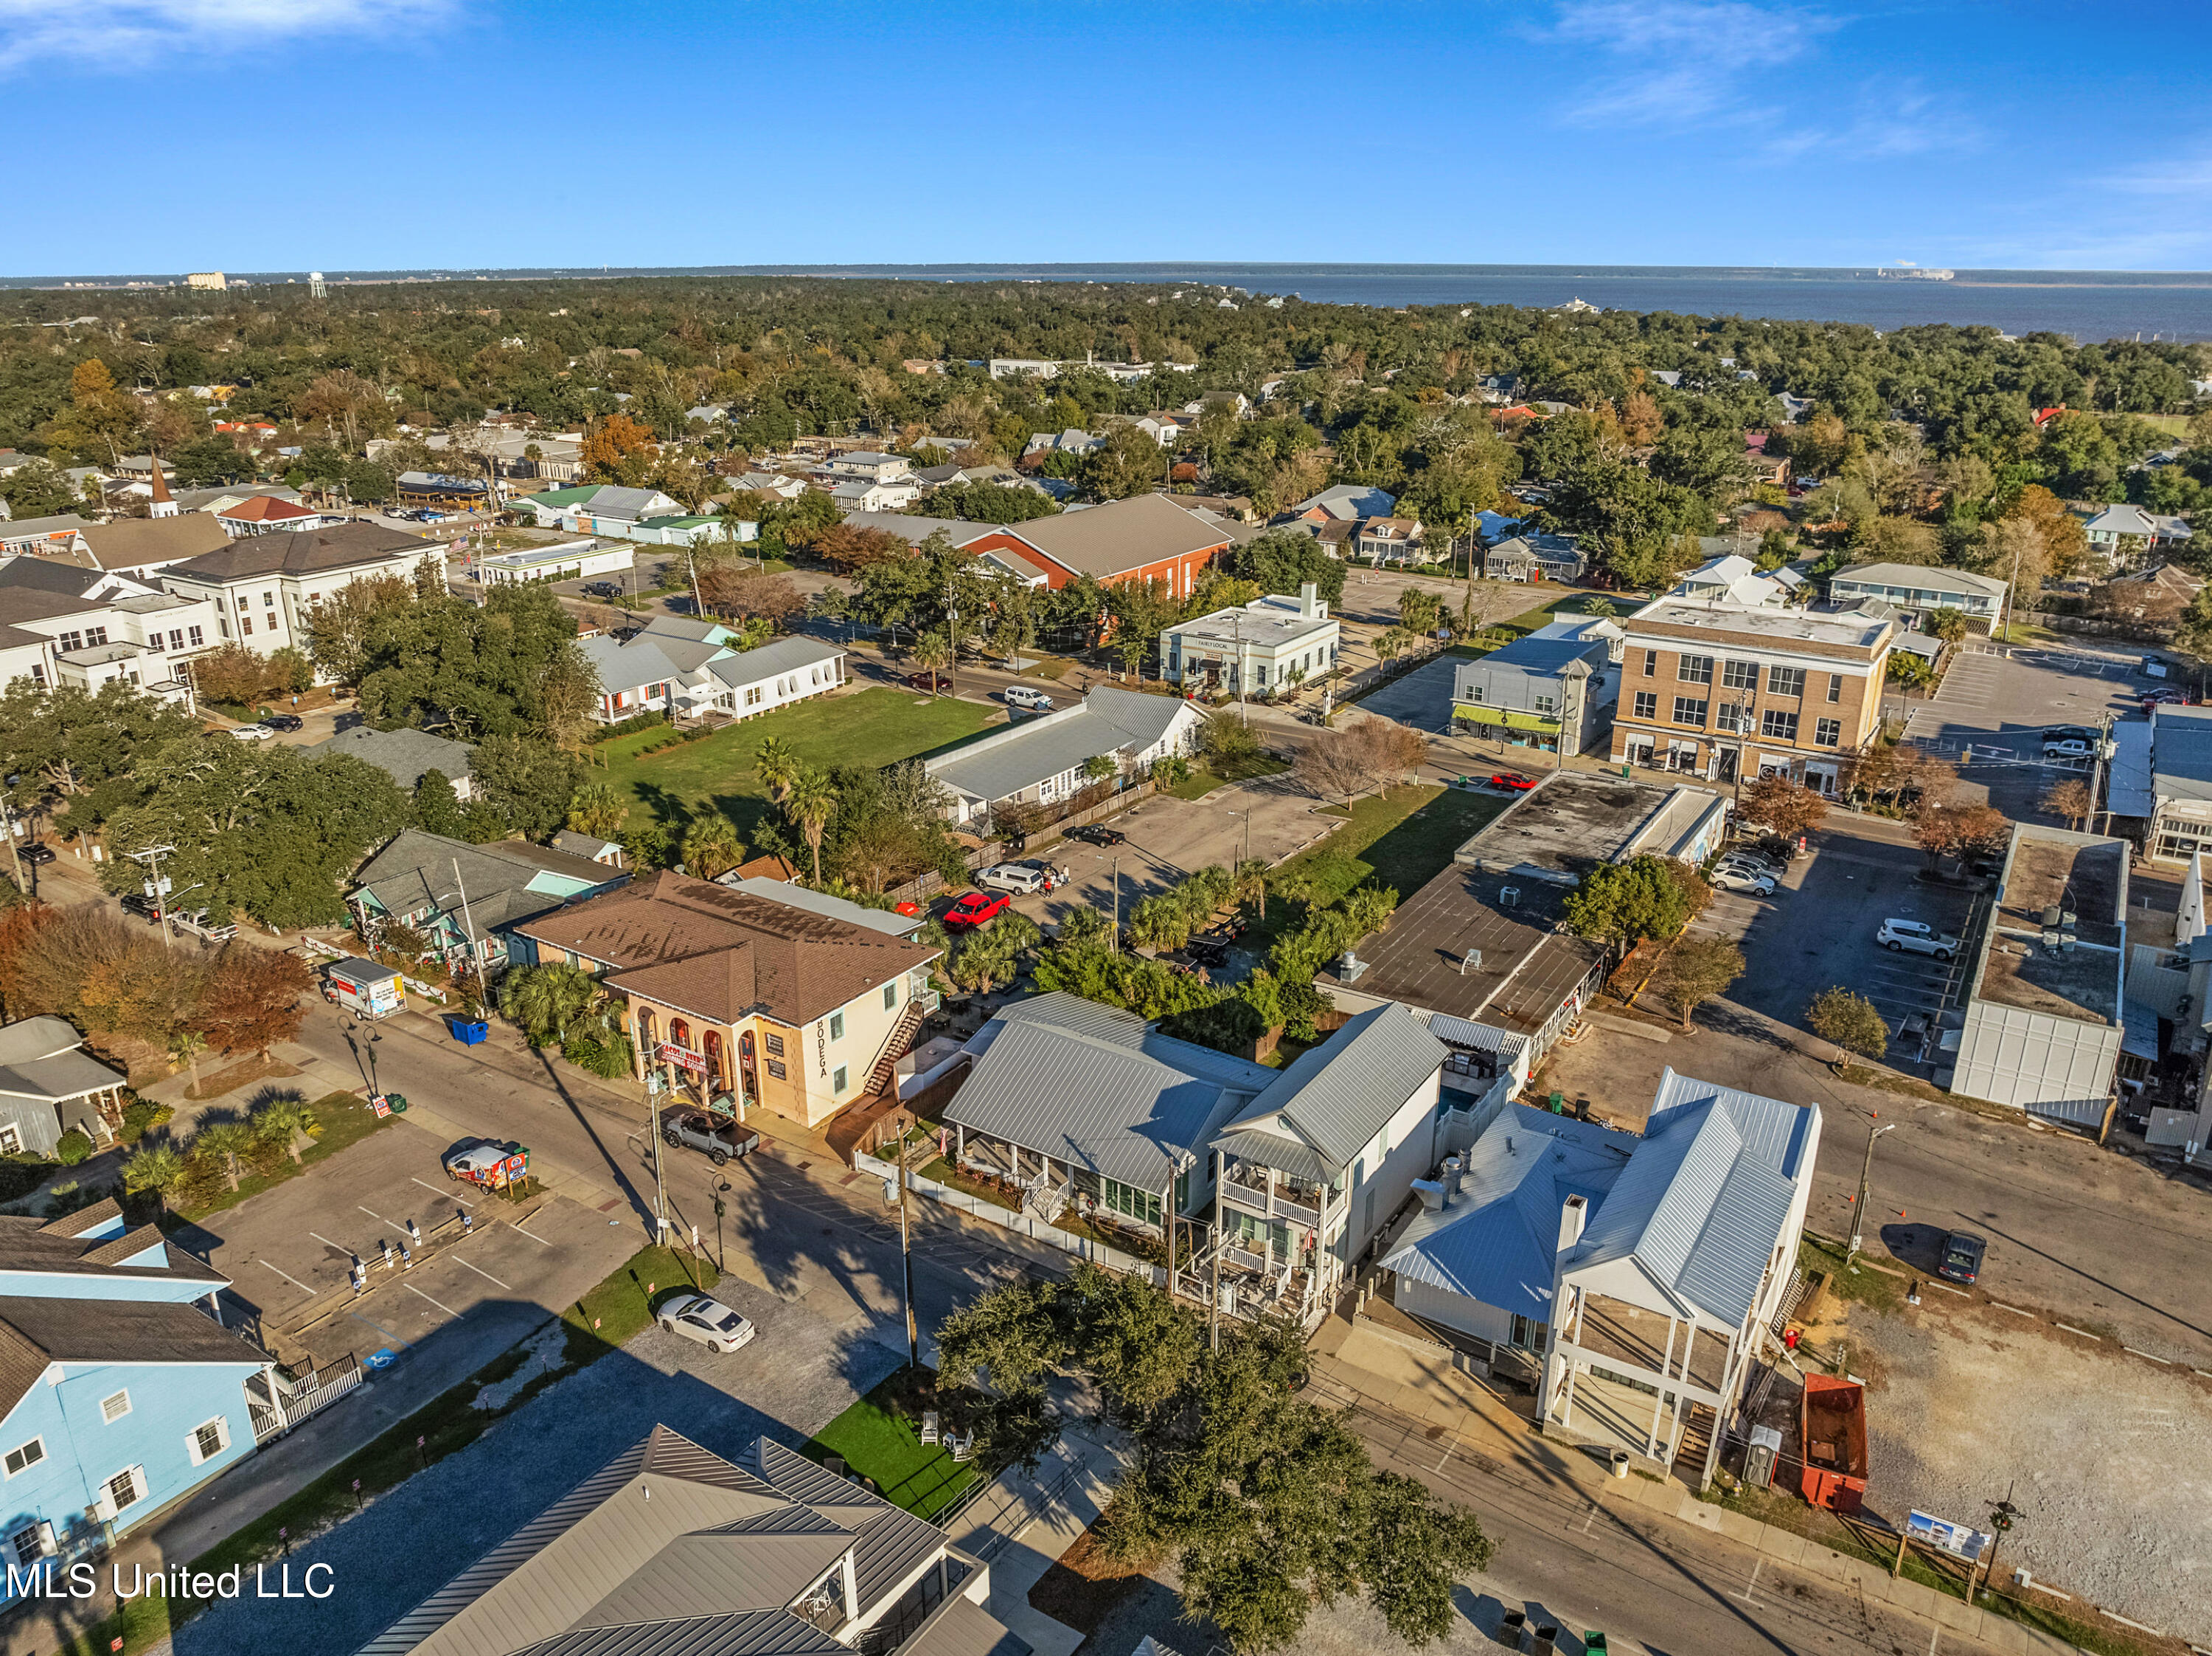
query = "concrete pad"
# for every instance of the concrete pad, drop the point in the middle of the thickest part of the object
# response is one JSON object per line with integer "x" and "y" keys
{"x": 1744, "y": 1531}
{"x": 1952, "y": 1613}
{"x": 2000, "y": 1634}
{"x": 1704, "y": 1517}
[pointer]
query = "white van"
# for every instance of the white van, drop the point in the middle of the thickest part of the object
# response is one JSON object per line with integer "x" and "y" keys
{"x": 1011, "y": 877}
{"x": 1024, "y": 695}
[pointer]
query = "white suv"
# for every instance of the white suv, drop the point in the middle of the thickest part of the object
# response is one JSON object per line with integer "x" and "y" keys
{"x": 1011, "y": 877}
{"x": 1022, "y": 695}
{"x": 1916, "y": 937}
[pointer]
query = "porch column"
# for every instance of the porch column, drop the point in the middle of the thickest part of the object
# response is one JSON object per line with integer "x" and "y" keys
{"x": 1721, "y": 1409}
{"x": 959, "y": 1144}
{"x": 1666, "y": 1362}
{"x": 1271, "y": 1177}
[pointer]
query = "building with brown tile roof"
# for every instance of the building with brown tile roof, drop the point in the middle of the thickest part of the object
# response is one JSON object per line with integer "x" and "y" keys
{"x": 735, "y": 995}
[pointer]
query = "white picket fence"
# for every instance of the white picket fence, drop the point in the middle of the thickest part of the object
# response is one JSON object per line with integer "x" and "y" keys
{"x": 1022, "y": 1224}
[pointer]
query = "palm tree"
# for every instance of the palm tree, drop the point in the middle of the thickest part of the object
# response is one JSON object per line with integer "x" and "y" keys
{"x": 712, "y": 848}
{"x": 543, "y": 1001}
{"x": 185, "y": 1048}
{"x": 1392, "y": 645}
{"x": 1252, "y": 884}
{"x": 598, "y": 810}
{"x": 932, "y": 653}
{"x": 157, "y": 1167}
{"x": 810, "y": 803}
{"x": 776, "y": 765}
{"x": 227, "y": 1139}
{"x": 280, "y": 1120}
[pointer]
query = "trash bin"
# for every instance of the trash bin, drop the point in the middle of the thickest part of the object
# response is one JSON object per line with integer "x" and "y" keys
{"x": 397, "y": 1102}
{"x": 470, "y": 1032}
{"x": 1619, "y": 1464}
{"x": 1510, "y": 1629}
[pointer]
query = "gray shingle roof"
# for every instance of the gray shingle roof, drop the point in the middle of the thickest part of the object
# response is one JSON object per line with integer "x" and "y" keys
{"x": 783, "y": 655}
{"x": 416, "y": 871}
{"x": 37, "y": 1332}
{"x": 404, "y": 756}
{"x": 1335, "y": 1097}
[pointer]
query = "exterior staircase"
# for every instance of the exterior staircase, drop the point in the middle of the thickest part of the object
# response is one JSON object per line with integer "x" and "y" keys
{"x": 1697, "y": 1438}
{"x": 900, "y": 1044}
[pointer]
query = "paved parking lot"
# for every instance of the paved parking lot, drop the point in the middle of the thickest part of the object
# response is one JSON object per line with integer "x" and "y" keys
{"x": 1989, "y": 712}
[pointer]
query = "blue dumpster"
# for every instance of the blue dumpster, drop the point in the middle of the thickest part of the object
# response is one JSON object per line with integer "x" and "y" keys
{"x": 469, "y": 1031}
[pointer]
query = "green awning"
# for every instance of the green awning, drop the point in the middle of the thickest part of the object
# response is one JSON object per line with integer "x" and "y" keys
{"x": 1475, "y": 713}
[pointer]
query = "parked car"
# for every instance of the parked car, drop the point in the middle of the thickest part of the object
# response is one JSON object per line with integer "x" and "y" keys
{"x": 718, "y": 1141}
{"x": 1778, "y": 851}
{"x": 38, "y": 853}
{"x": 1018, "y": 877}
{"x": 2168, "y": 698}
{"x": 1028, "y": 695}
{"x": 1960, "y": 1260}
{"x": 1916, "y": 937}
{"x": 707, "y": 1320}
{"x": 282, "y": 721}
{"x": 144, "y": 907}
{"x": 1512, "y": 784}
{"x": 1098, "y": 834}
{"x": 1753, "y": 857}
{"x": 2071, "y": 733}
{"x": 1744, "y": 878}
{"x": 603, "y": 589}
{"x": 925, "y": 682}
{"x": 1212, "y": 953}
{"x": 252, "y": 733}
{"x": 976, "y": 908}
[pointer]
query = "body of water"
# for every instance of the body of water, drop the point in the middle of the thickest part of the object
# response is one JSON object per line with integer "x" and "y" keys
{"x": 2086, "y": 305}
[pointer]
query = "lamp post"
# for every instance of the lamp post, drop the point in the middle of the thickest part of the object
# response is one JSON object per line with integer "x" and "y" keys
{"x": 1866, "y": 1179}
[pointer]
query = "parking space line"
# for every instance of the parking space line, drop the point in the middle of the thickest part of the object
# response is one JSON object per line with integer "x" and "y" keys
{"x": 434, "y": 1191}
{"x": 520, "y": 1231}
{"x": 379, "y": 1328}
{"x": 374, "y": 1215}
{"x": 419, "y": 1294}
{"x": 486, "y": 1274}
{"x": 288, "y": 1276}
{"x": 326, "y": 1242}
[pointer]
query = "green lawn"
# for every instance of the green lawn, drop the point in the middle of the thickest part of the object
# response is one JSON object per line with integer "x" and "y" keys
{"x": 1403, "y": 841}
{"x": 1203, "y": 778}
{"x": 876, "y": 727}
{"x": 341, "y": 1119}
{"x": 878, "y": 1443}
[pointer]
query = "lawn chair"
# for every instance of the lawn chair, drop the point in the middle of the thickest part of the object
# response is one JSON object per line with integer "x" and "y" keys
{"x": 961, "y": 1447}
{"x": 929, "y": 1433}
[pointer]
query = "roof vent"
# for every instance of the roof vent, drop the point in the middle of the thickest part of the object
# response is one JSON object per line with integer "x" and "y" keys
{"x": 1350, "y": 967}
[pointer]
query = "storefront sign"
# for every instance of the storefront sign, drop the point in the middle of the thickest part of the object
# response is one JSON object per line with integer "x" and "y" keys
{"x": 683, "y": 1057}
{"x": 1961, "y": 1540}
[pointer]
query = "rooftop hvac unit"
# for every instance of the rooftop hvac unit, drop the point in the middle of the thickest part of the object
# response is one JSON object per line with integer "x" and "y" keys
{"x": 1509, "y": 896}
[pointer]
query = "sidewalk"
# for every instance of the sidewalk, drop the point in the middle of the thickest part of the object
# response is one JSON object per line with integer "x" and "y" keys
{"x": 1025, "y": 1521}
{"x": 1356, "y": 1368}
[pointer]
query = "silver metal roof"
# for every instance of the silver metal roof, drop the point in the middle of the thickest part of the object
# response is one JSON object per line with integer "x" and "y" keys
{"x": 1104, "y": 722}
{"x": 784, "y": 655}
{"x": 1335, "y": 1097}
{"x": 1779, "y": 1132}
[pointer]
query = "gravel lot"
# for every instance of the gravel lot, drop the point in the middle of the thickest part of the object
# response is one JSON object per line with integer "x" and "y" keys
{"x": 797, "y": 1375}
{"x": 2105, "y": 1452}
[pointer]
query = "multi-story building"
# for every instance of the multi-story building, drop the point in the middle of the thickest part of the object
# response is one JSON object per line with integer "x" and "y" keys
{"x": 1550, "y": 693}
{"x": 1719, "y": 691}
{"x": 1271, "y": 643}
{"x": 1917, "y": 591}
{"x": 61, "y": 623}
{"x": 745, "y": 1001}
{"x": 263, "y": 585}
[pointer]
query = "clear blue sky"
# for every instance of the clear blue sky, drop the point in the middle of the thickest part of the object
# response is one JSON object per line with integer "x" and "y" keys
{"x": 174, "y": 135}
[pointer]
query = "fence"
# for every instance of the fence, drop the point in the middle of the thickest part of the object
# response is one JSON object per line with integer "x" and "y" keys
{"x": 1022, "y": 1224}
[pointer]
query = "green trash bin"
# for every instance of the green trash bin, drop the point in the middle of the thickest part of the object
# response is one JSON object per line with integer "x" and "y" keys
{"x": 1593, "y": 1644}
{"x": 397, "y": 1102}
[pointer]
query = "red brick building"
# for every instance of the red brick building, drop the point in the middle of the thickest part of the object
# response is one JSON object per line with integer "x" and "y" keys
{"x": 1144, "y": 538}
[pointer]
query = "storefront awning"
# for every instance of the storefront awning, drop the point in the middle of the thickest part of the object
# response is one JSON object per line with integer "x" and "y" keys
{"x": 1477, "y": 714}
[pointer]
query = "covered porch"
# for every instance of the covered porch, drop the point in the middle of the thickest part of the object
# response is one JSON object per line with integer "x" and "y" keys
{"x": 1647, "y": 1379}
{"x": 1050, "y": 1185}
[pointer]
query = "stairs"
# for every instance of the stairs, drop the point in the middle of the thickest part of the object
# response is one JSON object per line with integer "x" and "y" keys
{"x": 901, "y": 1043}
{"x": 1697, "y": 1438}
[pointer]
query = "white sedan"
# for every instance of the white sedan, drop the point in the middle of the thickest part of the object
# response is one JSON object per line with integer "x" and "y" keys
{"x": 1744, "y": 878}
{"x": 252, "y": 733}
{"x": 709, "y": 1321}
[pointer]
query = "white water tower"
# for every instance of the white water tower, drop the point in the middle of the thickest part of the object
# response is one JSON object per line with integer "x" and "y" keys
{"x": 315, "y": 288}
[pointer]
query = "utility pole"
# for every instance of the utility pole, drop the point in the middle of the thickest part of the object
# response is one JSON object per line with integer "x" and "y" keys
{"x": 906, "y": 1265}
{"x": 951, "y": 637}
{"x": 659, "y": 1190}
{"x": 1866, "y": 1180}
{"x": 469, "y": 930}
{"x": 1237, "y": 631}
{"x": 1115, "y": 939}
{"x": 159, "y": 888}
{"x": 8, "y": 801}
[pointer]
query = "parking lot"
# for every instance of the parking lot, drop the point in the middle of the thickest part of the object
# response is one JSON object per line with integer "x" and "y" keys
{"x": 1990, "y": 714}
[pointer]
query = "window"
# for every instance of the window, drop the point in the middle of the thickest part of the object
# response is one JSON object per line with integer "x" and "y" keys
{"x": 68, "y": 641}
{"x": 11, "y": 1141}
{"x": 1828, "y": 733}
{"x": 1650, "y": 663}
{"x": 1729, "y": 716}
{"x": 1688, "y": 712}
{"x": 242, "y": 600}
{"x": 1546, "y": 704}
{"x": 891, "y": 996}
{"x": 95, "y": 635}
{"x": 776, "y": 1068}
{"x": 1694, "y": 669}
{"x": 837, "y": 1079}
{"x": 29, "y": 1454}
{"x": 775, "y": 1045}
{"x": 1647, "y": 704}
{"x": 38, "y": 672}
{"x": 31, "y": 1543}
{"x": 1778, "y": 727}
{"x": 113, "y": 1409}
{"x": 269, "y": 600}
{"x": 127, "y": 1487}
{"x": 1835, "y": 687}
{"x": 1740, "y": 675}
{"x": 1474, "y": 692}
{"x": 1129, "y": 1201}
{"x": 199, "y": 637}
{"x": 1785, "y": 681}
{"x": 154, "y": 641}
{"x": 246, "y": 626}
{"x": 208, "y": 1441}
{"x": 836, "y": 1026}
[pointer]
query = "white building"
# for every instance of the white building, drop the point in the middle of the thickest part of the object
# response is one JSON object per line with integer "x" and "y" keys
{"x": 1043, "y": 760}
{"x": 1262, "y": 647}
{"x": 64, "y": 624}
{"x": 562, "y": 561}
{"x": 692, "y": 668}
{"x": 263, "y": 586}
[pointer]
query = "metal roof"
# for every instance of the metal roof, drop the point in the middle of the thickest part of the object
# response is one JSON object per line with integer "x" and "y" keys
{"x": 1095, "y": 1102}
{"x": 1104, "y": 722}
{"x": 785, "y": 655}
{"x": 2130, "y": 791}
{"x": 837, "y": 909}
{"x": 1779, "y": 1132}
{"x": 1496, "y": 1241}
{"x": 1335, "y": 1097}
{"x": 2181, "y": 753}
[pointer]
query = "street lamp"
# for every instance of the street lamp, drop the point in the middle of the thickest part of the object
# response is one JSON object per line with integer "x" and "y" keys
{"x": 1866, "y": 1178}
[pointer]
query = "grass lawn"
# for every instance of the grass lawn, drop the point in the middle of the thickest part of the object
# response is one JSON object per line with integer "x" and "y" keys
{"x": 341, "y": 1120}
{"x": 1203, "y": 778}
{"x": 876, "y": 727}
{"x": 1403, "y": 841}
{"x": 878, "y": 1442}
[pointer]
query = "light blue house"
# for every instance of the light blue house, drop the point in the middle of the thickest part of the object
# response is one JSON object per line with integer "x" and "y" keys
{"x": 120, "y": 1391}
{"x": 459, "y": 896}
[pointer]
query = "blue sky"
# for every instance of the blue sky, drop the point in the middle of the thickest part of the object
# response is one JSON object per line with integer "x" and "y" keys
{"x": 162, "y": 136}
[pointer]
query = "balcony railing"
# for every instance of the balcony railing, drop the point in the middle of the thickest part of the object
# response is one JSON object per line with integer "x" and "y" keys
{"x": 1242, "y": 1197}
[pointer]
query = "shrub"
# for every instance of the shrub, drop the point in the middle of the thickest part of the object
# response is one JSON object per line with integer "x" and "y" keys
{"x": 635, "y": 722}
{"x": 72, "y": 1148}
{"x": 140, "y": 1117}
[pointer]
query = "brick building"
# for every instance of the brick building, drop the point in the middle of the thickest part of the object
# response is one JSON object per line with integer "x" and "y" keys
{"x": 1710, "y": 689}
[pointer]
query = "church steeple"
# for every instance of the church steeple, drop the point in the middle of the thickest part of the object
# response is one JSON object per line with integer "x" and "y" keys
{"x": 162, "y": 506}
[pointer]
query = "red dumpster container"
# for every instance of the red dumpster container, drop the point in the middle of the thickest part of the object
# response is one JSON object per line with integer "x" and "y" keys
{"x": 1832, "y": 1427}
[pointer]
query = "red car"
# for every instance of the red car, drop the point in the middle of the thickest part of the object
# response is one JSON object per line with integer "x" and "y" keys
{"x": 976, "y": 909}
{"x": 1512, "y": 784}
